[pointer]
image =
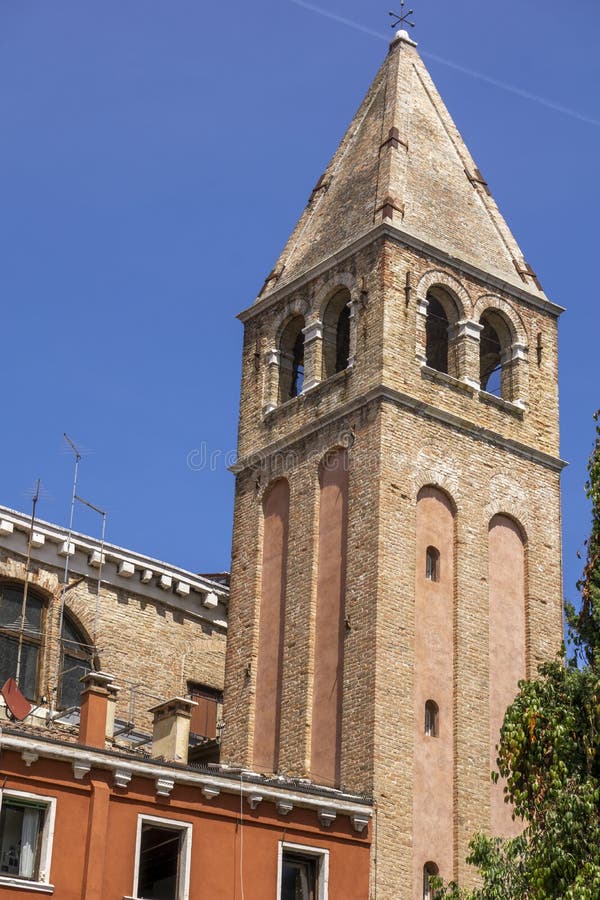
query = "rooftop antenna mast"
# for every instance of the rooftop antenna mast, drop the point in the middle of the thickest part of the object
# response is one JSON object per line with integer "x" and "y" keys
{"x": 402, "y": 18}
{"x": 102, "y": 513}
{"x": 26, "y": 585}
{"x": 66, "y": 572}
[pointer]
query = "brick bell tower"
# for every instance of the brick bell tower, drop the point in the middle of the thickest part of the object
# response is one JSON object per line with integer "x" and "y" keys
{"x": 396, "y": 555}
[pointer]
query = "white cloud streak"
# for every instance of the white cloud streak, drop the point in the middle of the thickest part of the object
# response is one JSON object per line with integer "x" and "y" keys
{"x": 471, "y": 73}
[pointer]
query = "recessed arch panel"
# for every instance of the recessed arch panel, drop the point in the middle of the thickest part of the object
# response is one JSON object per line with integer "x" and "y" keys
{"x": 269, "y": 665}
{"x": 433, "y": 798}
{"x": 326, "y": 731}
{"x": 507, "y": 591}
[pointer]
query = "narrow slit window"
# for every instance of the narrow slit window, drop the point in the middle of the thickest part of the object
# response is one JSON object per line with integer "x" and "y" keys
{"x": 432, "y": 714}
{"x": 432, "y": 564}
{"x": 430, "y": 870}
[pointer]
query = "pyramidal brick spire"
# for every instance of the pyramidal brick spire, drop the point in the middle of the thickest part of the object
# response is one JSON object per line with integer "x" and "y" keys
{"x": 403, "y": 164}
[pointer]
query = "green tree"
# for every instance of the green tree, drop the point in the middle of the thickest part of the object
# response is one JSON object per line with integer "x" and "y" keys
{"x": 549, "y": 754}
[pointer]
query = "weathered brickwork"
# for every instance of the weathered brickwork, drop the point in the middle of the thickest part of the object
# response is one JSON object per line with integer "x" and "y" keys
{"x": 406, "y": 426}
{"x": 154, "y": 642}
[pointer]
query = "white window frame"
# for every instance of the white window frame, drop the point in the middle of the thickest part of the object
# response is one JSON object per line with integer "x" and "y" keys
{"x": 318, "y": 853}
{"x": 185, "y": 856}
{"x": 42, "y": 884}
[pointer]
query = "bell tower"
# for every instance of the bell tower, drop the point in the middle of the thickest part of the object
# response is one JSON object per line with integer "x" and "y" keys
{"x": 396, "y": 555}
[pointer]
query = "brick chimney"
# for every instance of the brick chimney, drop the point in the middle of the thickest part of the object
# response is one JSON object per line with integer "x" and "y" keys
{"x": 111, "y": 709}
{"x": 171, "y": 729}
{"x": 94, "y": 702}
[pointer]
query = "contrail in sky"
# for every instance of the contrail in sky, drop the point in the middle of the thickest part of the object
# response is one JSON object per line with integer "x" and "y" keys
{"x": 503, "y": 85}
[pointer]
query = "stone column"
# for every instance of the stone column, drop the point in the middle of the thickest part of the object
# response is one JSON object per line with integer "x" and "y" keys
{"x": 515, "y": 375}
{"x": 421, "y": 332}
{"x": 464, "y": 337}
{"x": 272, "y": 361}
{"x": 353, "y": 306}
{"x": 313, "y": 355}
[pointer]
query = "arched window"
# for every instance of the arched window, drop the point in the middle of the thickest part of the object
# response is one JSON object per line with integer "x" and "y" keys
{"x": 441, "y": 314}
{"x": 76, "y": 660}
{"x": 437, "y": 326}
{"x": 495, "y": 343}
{"x": 291, "y": 360}
{"x": 430, "y": 870}
{"x": 432, "y": 564}
{"x": 432, "y": 714}
{"x": 490, "y": 359}
{"x": 336, "y": 334}
{"x": 20, "y": 625}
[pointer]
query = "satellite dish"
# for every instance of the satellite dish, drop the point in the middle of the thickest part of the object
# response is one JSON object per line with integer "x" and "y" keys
{"x": 18, "y": 707}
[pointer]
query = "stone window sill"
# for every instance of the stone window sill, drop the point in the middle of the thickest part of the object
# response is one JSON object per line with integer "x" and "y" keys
{"x": 492, "y": 400}
{"x": 449, "y": 380}
{"x": 309, "y": 392}
{"x": 22, "y": 884}
{"x": 515, "y": 409}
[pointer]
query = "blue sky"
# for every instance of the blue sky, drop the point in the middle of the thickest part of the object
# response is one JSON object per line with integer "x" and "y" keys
{"x": 155, "y": 156}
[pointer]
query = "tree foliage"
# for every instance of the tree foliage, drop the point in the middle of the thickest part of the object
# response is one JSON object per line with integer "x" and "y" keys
{"x": 549, "y": 754}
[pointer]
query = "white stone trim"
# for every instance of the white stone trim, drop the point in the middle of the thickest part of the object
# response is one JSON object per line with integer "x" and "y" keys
{"x": 57, "y": 535}
{"x": 164, "y": 786}
{"x": 81, "y": 767}
{"x": 313, "y": 332}
{"x": 318, "y": 853}
{"x": 121, "y": 778}
{"x": 359, "y": 823}
{"x": 185, "y": 860}
{"x": 327, "y": 817}
{"x": 82, "y": 758}
{"x": 468, "y": 328}
{"x": 125, "y": 569}
{"x": 272, "y": 357}
{"x": 29, "y": 757}
{"x": 210, "y": 792}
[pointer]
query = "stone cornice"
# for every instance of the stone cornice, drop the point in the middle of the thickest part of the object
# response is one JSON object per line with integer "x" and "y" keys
{"x": 406, "y": 401}
{"x": 238, "y": 782}
{"x": 141, "y": 575}
{"x": 444, "y": 256}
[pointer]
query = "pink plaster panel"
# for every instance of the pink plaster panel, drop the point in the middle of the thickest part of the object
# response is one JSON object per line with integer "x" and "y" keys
{"x": 328, "y": 667}
{"x": 270, "y": 642}
{"x": 434, "y": 675}
{"x": 507, "y": 645}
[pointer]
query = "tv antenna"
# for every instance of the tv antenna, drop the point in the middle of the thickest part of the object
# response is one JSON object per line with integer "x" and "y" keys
{"x": 402, "y": 18}
{"x": 26, "y": 585}
{"x": 75, "y": 498}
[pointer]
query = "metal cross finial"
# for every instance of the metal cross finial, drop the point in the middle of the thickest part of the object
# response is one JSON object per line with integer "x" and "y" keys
{"x": 402, "y": 18}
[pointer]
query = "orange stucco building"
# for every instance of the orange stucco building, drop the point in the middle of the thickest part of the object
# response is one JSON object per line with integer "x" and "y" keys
{"x": 91, "y": 822}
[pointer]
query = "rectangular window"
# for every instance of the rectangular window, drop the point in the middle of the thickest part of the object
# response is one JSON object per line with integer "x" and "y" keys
{"x": 163, "y": 854}
{"x": 206, "y": 714}
{"x": 26, "y": 829}
{"x": 303, "y": 872}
